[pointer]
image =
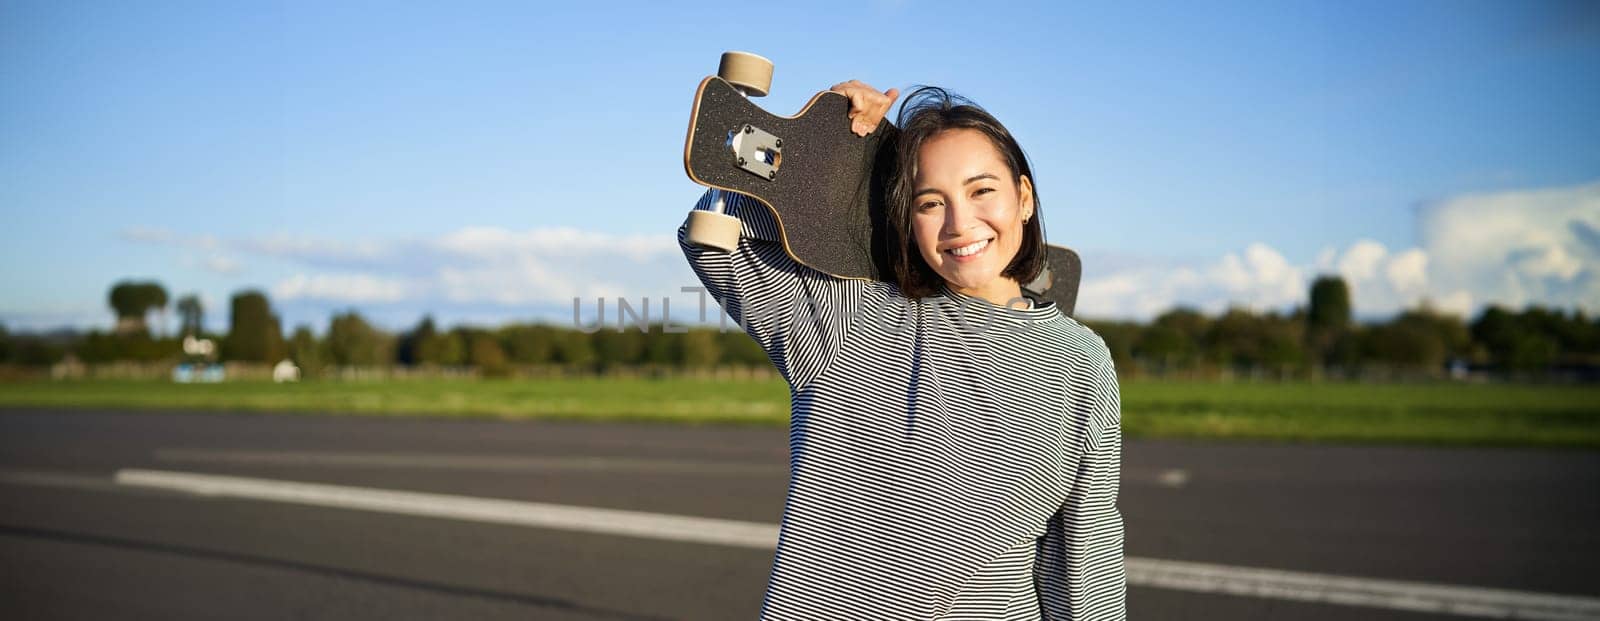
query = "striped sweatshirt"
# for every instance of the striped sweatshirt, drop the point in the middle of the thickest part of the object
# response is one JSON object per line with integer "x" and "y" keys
{"x": 949, "y": 458}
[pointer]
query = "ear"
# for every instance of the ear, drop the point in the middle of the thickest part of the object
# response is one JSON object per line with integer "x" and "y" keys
{"x": 1025, "y": 195}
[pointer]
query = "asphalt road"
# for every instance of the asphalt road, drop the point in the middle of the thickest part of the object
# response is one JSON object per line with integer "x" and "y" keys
{"x": 77, "y": 544}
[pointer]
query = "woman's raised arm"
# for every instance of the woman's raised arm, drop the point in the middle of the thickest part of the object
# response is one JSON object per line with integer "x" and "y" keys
{"x": 797, "y": 314}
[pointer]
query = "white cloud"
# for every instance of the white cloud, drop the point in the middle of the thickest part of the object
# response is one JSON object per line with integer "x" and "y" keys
{"x": 1260, "y": 279}
{"x": 492, "y": 242}
{"x": 553, "y": 265}
{"x": 216, "y": 263}
{"x": 1361, "y": 260}
{"x": 221, "y": 264}
{"x": 1517, "y": 248}
{"x": 205, "y": 251}
{"x": 341, "y": 288}
{"x": 1509, "y": 248}
{"x": 1407, "y": 273}
{"x": 323, "y": 251}
{"x": 1383, "y": 282}
{"x": 157, "y": 235}
{"x": 472, "y": 265}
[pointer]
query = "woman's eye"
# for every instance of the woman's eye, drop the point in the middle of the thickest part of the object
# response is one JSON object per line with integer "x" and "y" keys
{"x": 926, "y": 206}
{"x": 982, "y": 190}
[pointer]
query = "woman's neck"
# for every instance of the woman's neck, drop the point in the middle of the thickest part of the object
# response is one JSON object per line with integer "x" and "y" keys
{"x": 999, "y": 291}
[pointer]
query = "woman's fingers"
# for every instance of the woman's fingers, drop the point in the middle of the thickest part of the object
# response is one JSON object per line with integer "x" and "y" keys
{"x": 867, "y": 105}
{"x": 874, "y": 106}
{"x": 888, "y": 102}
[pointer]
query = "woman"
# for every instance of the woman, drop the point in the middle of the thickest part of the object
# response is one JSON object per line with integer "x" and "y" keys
{"x": 955, "y": 446}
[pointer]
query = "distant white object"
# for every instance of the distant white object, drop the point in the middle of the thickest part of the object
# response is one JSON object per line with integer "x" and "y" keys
{"x": 187, "y": 373}
{"x": 199, "y": 347}
{"x": 285, "y": 371}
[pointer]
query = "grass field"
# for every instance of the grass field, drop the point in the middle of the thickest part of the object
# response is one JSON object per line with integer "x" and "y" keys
{"x": 1442, "y": 413}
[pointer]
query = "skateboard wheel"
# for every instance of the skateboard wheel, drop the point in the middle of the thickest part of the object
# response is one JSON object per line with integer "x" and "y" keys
{"x": 713, "y": 230}
{"x": 748, "y": 72}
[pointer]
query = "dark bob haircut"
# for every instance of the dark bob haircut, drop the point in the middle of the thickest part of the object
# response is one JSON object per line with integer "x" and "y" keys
{"x": 925, "y": 113}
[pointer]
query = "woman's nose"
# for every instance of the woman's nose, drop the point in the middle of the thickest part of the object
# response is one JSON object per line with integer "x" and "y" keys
{"x": 958, "y": 217}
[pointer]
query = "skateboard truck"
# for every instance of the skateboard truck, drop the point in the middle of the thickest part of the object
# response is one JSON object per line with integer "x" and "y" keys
{"x": 753, "y": 149}
{"x": 756, "y": 150}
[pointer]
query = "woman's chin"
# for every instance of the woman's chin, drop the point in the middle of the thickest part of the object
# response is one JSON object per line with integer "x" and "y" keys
{"x": 968, "y": 280}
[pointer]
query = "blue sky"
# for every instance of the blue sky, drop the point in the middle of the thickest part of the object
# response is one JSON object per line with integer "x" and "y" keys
{"x": 467, "y": 159}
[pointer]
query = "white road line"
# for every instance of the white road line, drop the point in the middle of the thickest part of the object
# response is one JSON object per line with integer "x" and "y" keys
{"x": 1364, "y": 592}
{"x": 67, "y": 480}
{"x": 445, "y": 461}
{"x": 1142, "y": 572}
{"x": 520, "y": 513}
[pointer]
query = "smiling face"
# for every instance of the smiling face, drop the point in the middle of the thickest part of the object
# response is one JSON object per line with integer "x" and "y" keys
{"x": 967, "y": 213}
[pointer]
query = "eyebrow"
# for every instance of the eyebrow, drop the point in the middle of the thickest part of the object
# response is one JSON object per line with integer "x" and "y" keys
{"x": 969, "y": 180}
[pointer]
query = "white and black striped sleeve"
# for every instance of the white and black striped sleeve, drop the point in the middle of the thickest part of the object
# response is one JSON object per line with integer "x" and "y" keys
{"x": 797, "y": 314}
{"x": 1079, "y": 567}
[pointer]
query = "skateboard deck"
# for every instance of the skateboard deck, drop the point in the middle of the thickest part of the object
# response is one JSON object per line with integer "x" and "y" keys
{"x": 825, "y": 185}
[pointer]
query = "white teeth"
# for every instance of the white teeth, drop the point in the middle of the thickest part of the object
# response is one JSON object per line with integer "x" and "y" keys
{"x": 969, "y": 249}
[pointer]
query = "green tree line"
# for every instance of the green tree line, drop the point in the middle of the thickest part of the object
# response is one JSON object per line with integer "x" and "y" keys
{"x": 1321, "y": 337}
{"x": 1318, "y": 337}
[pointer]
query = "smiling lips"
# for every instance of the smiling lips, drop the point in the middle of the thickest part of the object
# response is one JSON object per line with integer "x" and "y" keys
{"x": 969, "y": 251}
